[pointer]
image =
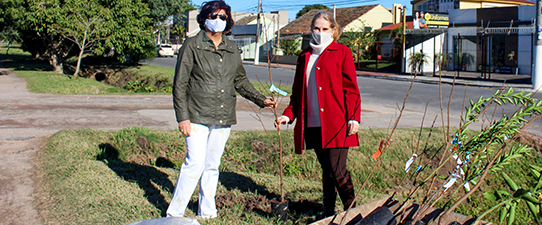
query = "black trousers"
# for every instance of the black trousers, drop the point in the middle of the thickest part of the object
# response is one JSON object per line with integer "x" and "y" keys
{"x": 335, "y": 175}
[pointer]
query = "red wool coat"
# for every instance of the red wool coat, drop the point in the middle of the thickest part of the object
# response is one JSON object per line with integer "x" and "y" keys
{"x": 338, "y": 97}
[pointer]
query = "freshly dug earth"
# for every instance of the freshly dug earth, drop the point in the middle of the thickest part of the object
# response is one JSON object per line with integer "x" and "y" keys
{"x": 263, "y": 204}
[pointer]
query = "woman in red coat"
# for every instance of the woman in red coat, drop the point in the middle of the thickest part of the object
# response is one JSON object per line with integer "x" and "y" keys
{"x": 326, "y": 102}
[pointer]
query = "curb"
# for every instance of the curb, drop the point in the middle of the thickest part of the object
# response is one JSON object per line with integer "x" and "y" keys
{"x": 421, "y": 78}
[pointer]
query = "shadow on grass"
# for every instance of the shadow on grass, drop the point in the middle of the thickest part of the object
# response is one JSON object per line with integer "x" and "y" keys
{"x": 18, "y": 62}
{"x": 243, "y": 183}
{"x": 297, "y": 209}
{"x": 144, "y": 176}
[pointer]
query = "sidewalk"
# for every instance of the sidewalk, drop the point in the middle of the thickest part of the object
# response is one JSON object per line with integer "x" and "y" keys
{"x": 493, "y": 80}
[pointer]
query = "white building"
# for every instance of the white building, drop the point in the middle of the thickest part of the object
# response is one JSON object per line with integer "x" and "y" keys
{"x": 244, "y": 31}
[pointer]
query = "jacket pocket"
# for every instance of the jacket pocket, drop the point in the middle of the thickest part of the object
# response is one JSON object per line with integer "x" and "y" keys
{"x": 201, "y": 101}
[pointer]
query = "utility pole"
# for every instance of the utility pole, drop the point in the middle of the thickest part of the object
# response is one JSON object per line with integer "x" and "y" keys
{"x": 277, "y": 26}
{"x": 278, "y": 29}
{"x": 334, "y": 12}
{"x": 536, "y": 74}
{"x": 257, "y": 52}
{"x": 403, "y": 57}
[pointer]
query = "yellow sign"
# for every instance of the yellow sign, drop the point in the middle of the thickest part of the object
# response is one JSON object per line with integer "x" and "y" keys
{"x": 437, "y": 19}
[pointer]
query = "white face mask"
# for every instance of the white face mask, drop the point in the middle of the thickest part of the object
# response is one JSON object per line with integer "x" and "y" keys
{"x": 217, "y": 25}
{"x": 321, "y": 37}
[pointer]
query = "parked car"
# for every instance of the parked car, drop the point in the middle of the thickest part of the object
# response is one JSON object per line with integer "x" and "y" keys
{"x": 165, "y": 50}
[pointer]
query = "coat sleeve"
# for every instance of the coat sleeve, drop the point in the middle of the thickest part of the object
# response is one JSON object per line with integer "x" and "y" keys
{"x": 350, "y": 87}
{"x": 245, "y": 88}
{"x": 183, "y": 69}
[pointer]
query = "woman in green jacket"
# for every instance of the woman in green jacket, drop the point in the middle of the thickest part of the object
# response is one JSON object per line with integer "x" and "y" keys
{"x": 209, "y": 71}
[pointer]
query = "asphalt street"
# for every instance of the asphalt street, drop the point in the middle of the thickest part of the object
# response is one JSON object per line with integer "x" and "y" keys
{"x": 383, "y": 96}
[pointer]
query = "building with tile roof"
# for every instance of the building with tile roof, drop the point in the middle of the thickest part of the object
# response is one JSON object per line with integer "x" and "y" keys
{"x": 350, "y": 19}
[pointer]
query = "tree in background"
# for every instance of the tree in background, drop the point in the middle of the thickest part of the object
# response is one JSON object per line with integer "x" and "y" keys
{"x": 39, "y": 26}
{"x": 290, "y": 46}
{"x": 416, "y": 62}
{"x": 308, "y": 8}
{"x": 361, "y": 43}
{"x": 179, "y": 30}
{"x": 56, "y": 30}
{"x": 10, "y": 35}
{"x": 88, "y": 22}
{"x": 131, "y": 35}
{"x": 52, "y": 29}
{"x": 164, "y": 11}
{"x": 8, "y": 30}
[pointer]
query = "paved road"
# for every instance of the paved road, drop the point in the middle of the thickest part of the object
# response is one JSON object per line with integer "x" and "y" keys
{"x": 280, "y": 75}
{"x": 383, "y": 97}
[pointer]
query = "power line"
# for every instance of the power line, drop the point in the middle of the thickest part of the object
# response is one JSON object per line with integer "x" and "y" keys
{"x": 341, "y": 4}
{"x": 288, "y": 4}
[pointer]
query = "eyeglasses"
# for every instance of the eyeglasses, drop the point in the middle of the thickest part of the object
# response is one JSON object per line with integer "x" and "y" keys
{"x": 213, "y": 16}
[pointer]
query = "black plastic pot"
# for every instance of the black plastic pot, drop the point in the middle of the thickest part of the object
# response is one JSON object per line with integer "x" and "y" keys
{"x": 380, "y": 216}
{"x": 280, "y": 209}
{"x": 410, "y": 222}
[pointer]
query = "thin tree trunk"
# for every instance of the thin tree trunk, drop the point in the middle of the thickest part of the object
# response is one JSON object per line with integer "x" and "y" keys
{"x": 78, "y": 64}
{"x": 82, "y": 49}
{"x": 9, "y": 46}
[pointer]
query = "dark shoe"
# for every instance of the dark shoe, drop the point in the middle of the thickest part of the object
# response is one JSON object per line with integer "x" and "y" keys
{"x": 329, "y": 203}
{"x": 330, "y": 195}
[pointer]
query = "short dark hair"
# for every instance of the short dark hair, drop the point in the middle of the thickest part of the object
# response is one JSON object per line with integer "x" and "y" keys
{"x": 209, "y": 7}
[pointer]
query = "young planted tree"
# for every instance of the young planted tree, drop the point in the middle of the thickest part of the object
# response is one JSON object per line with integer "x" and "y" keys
{"x": 479, "y": 154}
{"x": 489, "y": 150}
{"x": 508, "y": 202}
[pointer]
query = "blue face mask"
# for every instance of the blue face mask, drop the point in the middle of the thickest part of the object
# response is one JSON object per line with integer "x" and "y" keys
{"x": 217, "y": 25}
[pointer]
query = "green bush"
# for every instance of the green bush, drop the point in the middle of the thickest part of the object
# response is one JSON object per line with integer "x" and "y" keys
{"x": 290, "y": 46}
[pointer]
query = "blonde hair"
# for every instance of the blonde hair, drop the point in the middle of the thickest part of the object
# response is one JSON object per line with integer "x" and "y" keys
{"x": 329, "y": 17}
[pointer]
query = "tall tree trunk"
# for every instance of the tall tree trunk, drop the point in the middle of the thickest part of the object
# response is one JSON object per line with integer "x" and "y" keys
{"x": 56, "y": 63}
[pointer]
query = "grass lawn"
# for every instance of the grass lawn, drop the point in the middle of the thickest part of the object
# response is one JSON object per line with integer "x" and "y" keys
{"x": 118, "y": 177}
{"x": 383, "y": 65}
{"x": 121, "y": 79}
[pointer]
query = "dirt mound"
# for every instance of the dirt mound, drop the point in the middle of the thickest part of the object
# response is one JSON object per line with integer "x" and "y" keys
{"x": 250, "y": 203}
{"x": 263, "y": 204}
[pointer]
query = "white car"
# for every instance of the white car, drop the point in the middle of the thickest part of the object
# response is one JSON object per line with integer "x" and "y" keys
{"x": 165, "y": 50}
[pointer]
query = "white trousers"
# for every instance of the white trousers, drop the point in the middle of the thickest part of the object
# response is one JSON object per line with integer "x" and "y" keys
{"x": 205, "y": 146}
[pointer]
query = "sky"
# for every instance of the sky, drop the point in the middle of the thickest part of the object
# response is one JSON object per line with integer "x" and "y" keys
{"x": 294, "y": 6}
